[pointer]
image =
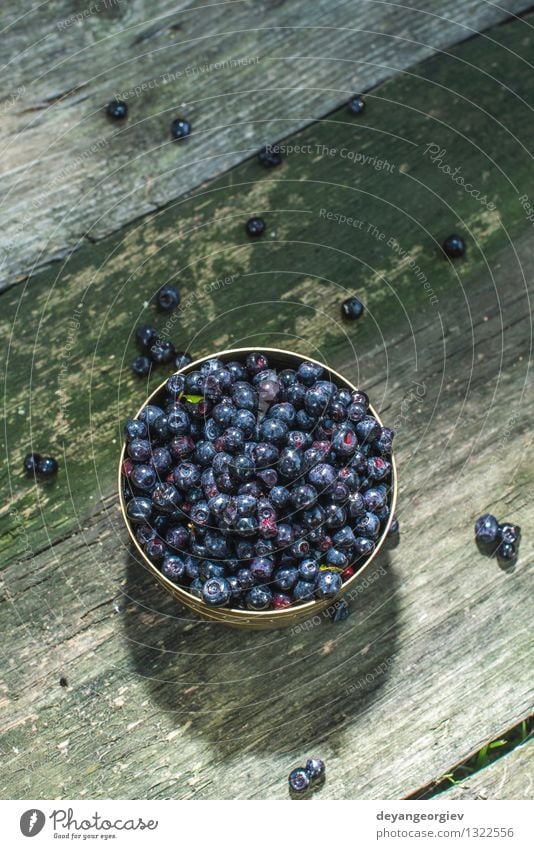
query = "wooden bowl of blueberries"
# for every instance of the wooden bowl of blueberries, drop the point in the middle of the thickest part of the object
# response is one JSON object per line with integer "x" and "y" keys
{"x": 257, "y": 485}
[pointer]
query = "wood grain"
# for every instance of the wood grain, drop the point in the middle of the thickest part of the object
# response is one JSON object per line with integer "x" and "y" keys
{"x": 508, "y": 778}
{"x": 431, "y": 664}
{"x": 245, "y": 72}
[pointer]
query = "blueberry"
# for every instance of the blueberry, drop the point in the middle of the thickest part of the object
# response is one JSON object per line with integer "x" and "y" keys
{"x": 186, "y": 475}
{"x": 303, "y": 496}
{"x": 368, "y": 429}
{"x": 315, "y": 766}
{"x": 155, "y": 548}
{"x": 237, "y": 370}
{"x": 168, "y": 298}
{"x": 133, "y": 429}
{"x": 367, "y": 525}
{"x": 245, "y": 420}
{"x": 162, "y": 460}
{"x": 241, "y": 468}
{"x": 256, "y": 362}
{"x": 344, "y": 538}
{"x": 314, "y": 517}
{"x": 290, "y": 463}
{"x": 356, "y": 412}
{"x": 145, "y": 336}
{"x": 143, "y": 477}
{"x": 173, "y": 567}
{"x": 265, "y": 454}
{"x": 284, "y": 411}
{"x": 299, "y": 780}
{"x": 303, "y": 591}
{"x": 208, "y": 569}
{"x": 224, "y": 412}
{"x": 178, "y": 422}
{"x": 258, "y": 598}
{"x": 317, "y": 399}
{"x": 322, "y": 476}
{"x": 308, "y": 373}
{"x": 507, "y": 551}
{"x": 177, "y": 537}
{"x": 180, "y": 129}
{"x": 117, "y": 109}
{"x": 335, "y": 515}
{"x": 486, "y": 529}
{"x": 181, "y": 447}
{"x": 182, "y": 359}
{"x": 31, "y": 461}
{"x": 281, "y": 601}
{"x": 141, "y": 365}
{"x": 363, "y": 546}
{"x": 453, "y": 246}
{"x": 166, "y": 497}
{"x": 286, "y": 578}
{"x": 161, "y": 351}
{"x": 356, "y": 105}
{"x": 216, "y": 591}
{"x": 374, "y": 499}
{"x": 269, "y": 156}
{"x": 47, "y": 467}
{"x": 336, "y": 558}
{"x": 255, "y": 226}
{"x": 509, "y": 534}
{"x": 245, "y": 397}
{"x": 352, "y": 308}
{"x": 268, "y": 476}
{"x": 247, "y": 526}
{"x": 327, "y": 584}
{"x": 199, "y": 513}
{"x": 273, "y": 430}
{"x": 246, "y": 581}
{"x": 139, "y": 509}
{"x": 261, "y": 570}
{"x": 384, "y": 444}
{"x": 279, "y": 496}
{"x": 378, "y": 468}
{"x": 308, "y": 569}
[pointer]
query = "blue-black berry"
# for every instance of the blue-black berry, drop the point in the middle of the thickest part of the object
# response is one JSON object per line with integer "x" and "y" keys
{"x": 141, "y": 365}
{"x": 168, "y": 298}
{"x": 47, "y": 467}
{"x": 180, "y": 129}
{"x": 117, "y": 109}
{"x": 356, "y": 105}
{"x": 486, "y": 529}
{"x": 352, "y": 308}
{"x": 255, "y": 226}
{"x": 269, "y": 156}
{"x": 31, "y": 462}
{"x": 299, "y": 780}
{"x": 454, "y": 246}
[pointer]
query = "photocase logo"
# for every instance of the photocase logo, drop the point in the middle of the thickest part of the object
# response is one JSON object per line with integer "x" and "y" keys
{"x": 32, "y": 822}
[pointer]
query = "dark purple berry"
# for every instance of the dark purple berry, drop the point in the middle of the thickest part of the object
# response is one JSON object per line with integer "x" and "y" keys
{"x": 255, "y": 227}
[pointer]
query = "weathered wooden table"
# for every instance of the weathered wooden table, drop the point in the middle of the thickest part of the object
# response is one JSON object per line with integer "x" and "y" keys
{"x": 110, "y": 689}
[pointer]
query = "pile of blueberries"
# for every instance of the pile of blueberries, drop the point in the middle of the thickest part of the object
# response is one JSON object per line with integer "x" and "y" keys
{"x": 256, "y": 488}
{"x": 497, "y": 539}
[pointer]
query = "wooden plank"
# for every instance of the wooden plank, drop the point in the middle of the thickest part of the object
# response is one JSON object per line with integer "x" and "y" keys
{"x": 508, "y": 778}
{"x": 243, "y": 75}
{"x": 431, "y": 663}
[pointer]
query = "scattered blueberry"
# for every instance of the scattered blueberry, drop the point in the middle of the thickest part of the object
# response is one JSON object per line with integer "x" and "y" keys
{"x": 352, "y": 308}
{"x": 487, "y": 529}
{"x": 168, "y": 298}
{"x": 47, "y": 467}
{"x": 142, "y": 365}
{"x": 454, "y": 246}
{"x": 180, "y": 129}
{"x": 182, "y": 359}
{"x": 356, "y": 105}
{"x": 299, "y": 780}
{"x": 31, "y": 462}
{"x": 315, "y": 768}
{"x": 270, "y": 156}
{"x": 117, "y": 109}
{"x": 255, "y": 226}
